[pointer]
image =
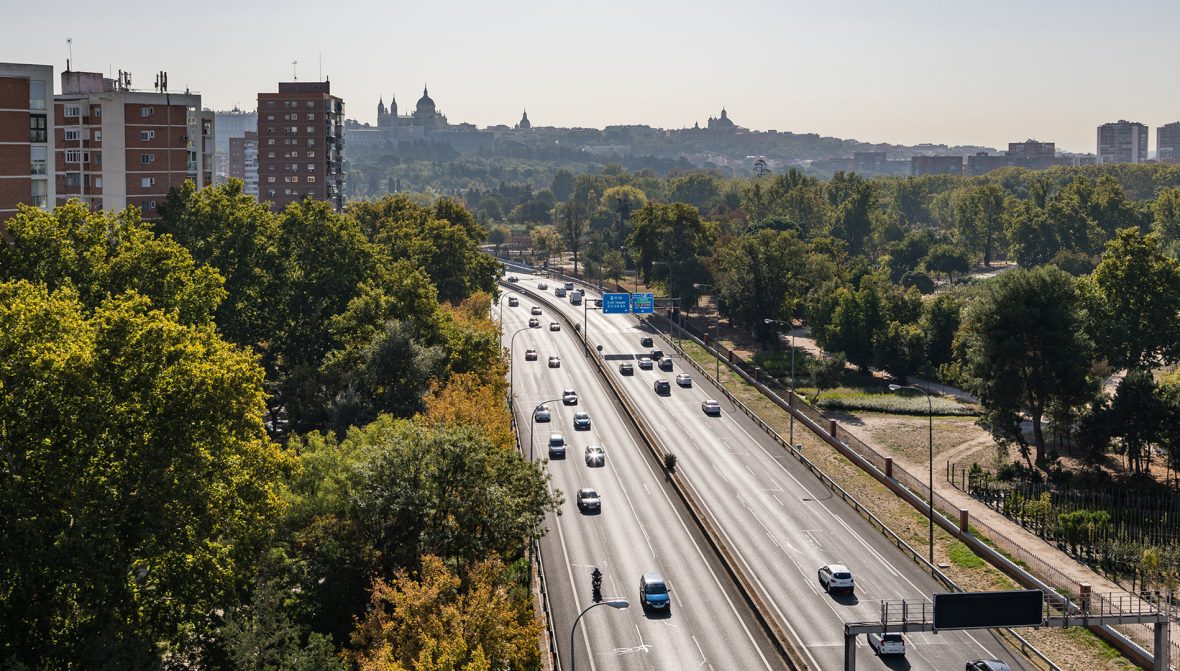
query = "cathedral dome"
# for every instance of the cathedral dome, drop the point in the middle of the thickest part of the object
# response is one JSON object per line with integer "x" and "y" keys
{"x": 425, "y": 104}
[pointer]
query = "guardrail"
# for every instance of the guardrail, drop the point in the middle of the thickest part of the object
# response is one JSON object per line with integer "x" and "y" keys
{"x": 784, "y": 642}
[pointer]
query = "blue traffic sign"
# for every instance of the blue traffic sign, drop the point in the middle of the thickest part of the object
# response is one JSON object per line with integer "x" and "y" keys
{"x": 616, "y": 304}
{"x": 643, "y": 304}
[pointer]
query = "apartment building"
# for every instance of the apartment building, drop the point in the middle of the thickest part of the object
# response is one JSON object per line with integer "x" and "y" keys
{"x": 1167, "y": 143}
{"x": 115, "y": 146}
{"x": 26, "y": 137}
{"x": 301, "y": 144}
{"x": 243, "y": 161}
{"x": 228, "y": 125}
{"x": 936, "y": 165}
{"x": 1122, "y": 142}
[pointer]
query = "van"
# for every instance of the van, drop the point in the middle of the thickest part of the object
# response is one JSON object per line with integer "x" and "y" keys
{"x": 575, "y": 298}
{"x": 559, "y": 292}
{"x": 653, "y": 593}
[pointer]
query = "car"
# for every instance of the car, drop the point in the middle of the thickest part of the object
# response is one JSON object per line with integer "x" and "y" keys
{"x": 684, "y": 380}
{"x": 556, "y": 446}
{"x": 513, "y": 301}
{"x": 645, "y": 341}
{"x": 597, "y": 302}
{"x": 887, "y": 644}
{"x": 987, "y": 665}
{"x": 513, "y": 278}
{"x": 653, "y": 592}
{"x": 662, "y": 387}
{"x": 836, "y": 577}
{"x": 575, "y": 298}
{"x": 559, "y": 292}
{"x": 535, "y": 311}
{"x": 530, "y": 354}
{"x": 569, "y": 397}
{"x": 711, "y": 407}
{"x": 626, "y": 368}
{"x": 665, "y": 364}
{"x": 555, "y": 362}
{"x": 589, "y": 501}
{"x": 569, "y": 286}
{"x": 656, "y": 355}
{"x": 644, "y": 363}
{"x": 581, "y": 421}
{"x": 595, "y": 455}
{"x": 542, "y": 414}
{"x": 542, "y": 286}
{"x": 554, "y": 326}
{"x": 534, "y": 323}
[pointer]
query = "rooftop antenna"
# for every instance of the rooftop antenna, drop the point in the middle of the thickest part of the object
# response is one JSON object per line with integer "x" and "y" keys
{"x": 70, "y": 46}
{"x": 294, "y": 76}
{"x": 320, "y": 74}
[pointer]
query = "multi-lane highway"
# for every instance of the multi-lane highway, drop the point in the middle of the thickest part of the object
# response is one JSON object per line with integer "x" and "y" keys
{"x": 640, "y": 529}
{"x": 781, "y": 522}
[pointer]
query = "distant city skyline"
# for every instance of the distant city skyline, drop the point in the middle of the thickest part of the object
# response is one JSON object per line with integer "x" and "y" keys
{"x": 907, "y": 72}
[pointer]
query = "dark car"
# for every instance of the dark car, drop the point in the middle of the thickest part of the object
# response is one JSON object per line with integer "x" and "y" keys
{"x": 656, "y": 355}
{"x": 987, "y": 665}
{"x": 645, "y": 342}
{"x": 534, "y": 323}
{"x": 513, "y": 301}
{"x": 626, "y": 368}
{"x": 662, "y": 387}
{"x": 581, "y": 421}
{"x": 555, "y": 362}
{"x": 666, "y": 364}
{"x": 569, "y": 397}
{"x": 589, "y": 501}
{"x": 513, "y": 278}
{"x": 530, "y": 354}
{"x": 536, "y": 310}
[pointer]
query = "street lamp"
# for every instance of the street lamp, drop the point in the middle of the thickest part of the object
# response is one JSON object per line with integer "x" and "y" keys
{"x": 533, "y": 423}
{"x": 716, "y": 331}
{"x": 512, "y": 366}
{"x": 503, "y": 298}
{"x": 791, "y": 438}
{"x": 930, "y": 437}
{"x": 675, "y": 301}
{"x": 613, "y": 603}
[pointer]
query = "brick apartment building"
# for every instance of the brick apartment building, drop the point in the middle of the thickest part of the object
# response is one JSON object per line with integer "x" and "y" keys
{"x": 1122, "y": 142}
{"x": 26, "y": 137}
{"x": 936, "y": 165}
{"x": 243, "y": 161}
{"x": 117, "y": 147}
{"x": 301, "y": 144}
{"x": 1167, "y": 143}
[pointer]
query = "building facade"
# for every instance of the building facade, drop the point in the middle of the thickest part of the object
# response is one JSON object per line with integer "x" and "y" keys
{"x": 243, "y": 161}
{"x": 301, "y": 144}
{"x": 228, "y": 125}
{"x": 936, "y": 165}
{"x": 1167, "y": 143}
{"x": 26, "y": 137}
{"x": 1122, "y": 142}
{"x": 116, "y": 147}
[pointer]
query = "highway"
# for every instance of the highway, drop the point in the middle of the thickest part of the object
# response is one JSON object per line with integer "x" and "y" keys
{"x": 641, "y": 528}
{"x": 780, "y": 520}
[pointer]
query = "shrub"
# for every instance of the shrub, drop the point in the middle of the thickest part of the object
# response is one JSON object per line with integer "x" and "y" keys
{"x": 894, "y": 404}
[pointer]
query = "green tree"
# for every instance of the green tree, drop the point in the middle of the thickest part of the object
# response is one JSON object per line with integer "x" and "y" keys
{"x": 947, "y": 259}
{"x": 261, "y": 636}
{"x": 1134, "y": 302}
{"x": 756, "y": 279}
{"x": 1023, "y": 350}
{"x": 855, "y": 318}
{"x": 852, "y": 216}
{"x": 1166, "y": 209}
{"x": 1136, "y": 413}
{"x": 498, "y": 235}
{"x": 562, "y": 185}
{"x": 622, "y": 201}
{"x": 825, "y": 372}
{"x": 673, "y": 234}
{"x": 168, "y": 493}
{"x": 698, "y": 189}
{"x": 979, "y": 216}
{"x": 547, "y": 241}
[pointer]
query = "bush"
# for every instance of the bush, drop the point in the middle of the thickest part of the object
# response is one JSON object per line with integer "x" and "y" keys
{"x": 917, "y": 278}
{"x": 895, "y": 405}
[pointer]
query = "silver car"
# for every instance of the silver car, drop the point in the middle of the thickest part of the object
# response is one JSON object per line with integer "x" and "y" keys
{"x": 556, "y": 446}
{"x": 595, "y": 456}
{"x": 543, "y": 414}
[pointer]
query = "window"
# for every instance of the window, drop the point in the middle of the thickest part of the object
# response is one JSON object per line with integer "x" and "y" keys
{"x": 97, "y": 111}
{"x": 311, "y": 154}
{"x": 98, "y": 136}
{"x": 270, "y": 154}
{"x": 36, "y": 94}
{"x": 291, "y": 179}
{"x": 98, "y": 184}
{"x": 270, "y": 103}
{"x": 270, "y": 130}
{"x": 311, "y": 167}
{"x": 146, "y": 135}
{"x": 310, "y": 104}
{"x": 270, "y": 180}
{"x": 311, "y": 116}
{"x": 145, "y": 182}
{"x": 311, "y": 179}
{"x": 73, "y": 156}
{"x": 310, "y": 129}
{"x": 270, "y": 193}
{"x": 271, "y": 141}
{"x": 270, "y": 117}
{"x": 286, "y": 192}
{"x": 72, "y": 111}
{"x": 38, "y": 160}
{"x": 149, "y": 205}
{"x": 73, "y": 179}
{"x": 289, "y": 103}
{"x": 40, "y": 193}
{"x": 38, "y": 128}
{"x": 147, "y": 111}
{"x": 292, "y": 167}
{"x": 147, "y": 158}
{"x": 311, "y": 142}
{"x": 72, "y": 134}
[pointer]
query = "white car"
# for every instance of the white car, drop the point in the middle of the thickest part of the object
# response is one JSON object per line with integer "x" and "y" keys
{"x": 542, "y": 286}
{"x": 684, "y": 380}
{"x": 554, "y": 326}
{"x": 836, "y": 577}
{"x": 569, "y": 397}
{"x": 595, "y": 455}
{"x": 645, "y": 363}
{"x": 530, "y": 354}
{"x": 543, "y": 414}
{"x": 887, "y": 644}
{"x": 513, "y": 301}
{"x": 711, "y": 407}
{"x": 555, "y": 362}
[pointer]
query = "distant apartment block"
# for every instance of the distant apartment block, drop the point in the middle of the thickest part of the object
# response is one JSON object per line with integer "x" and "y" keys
{"x": 300, "y": 144}
{"x": 1031, "y": 154}
{"x": 869, "y": 163}
{"x": 117, "y": 147}
{"x": 1167, "y": 143}
{"x": 243, "y": 161}
{"x": 1122, "y": 142}
{"x": 936, "y": 165}
{"x": 228, "y": 125}
{"x": 26, "y": 137}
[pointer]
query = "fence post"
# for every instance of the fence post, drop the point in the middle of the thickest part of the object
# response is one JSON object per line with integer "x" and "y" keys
{"x": 1084, "y": 596}
{"x": 964, "y": 520}
{"x": 832, "y": 428}
{"x": 889, "y": 467}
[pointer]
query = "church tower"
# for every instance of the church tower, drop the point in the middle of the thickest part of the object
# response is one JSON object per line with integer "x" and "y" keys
{"x": 524, "y": 122}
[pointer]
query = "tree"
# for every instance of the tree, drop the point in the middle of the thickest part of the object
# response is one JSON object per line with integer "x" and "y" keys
{"x": 947, "y": 259}
{"x": 168, "y": 492}
{"x": 622, "y": 201}
{"x": 261, "y": 636}
{"x": 546, "y": 240}
{"x": 852, "y": 217}
{"x": 613, "y": 265}
{"x": 1135, "y": 414}
{"x": 855, "y": 318}
{"x": 979, "y": 216}
{"x": 1023, "y": 349}
{"x": 673, "y": 234}
{"x": 698, "y": 189}
{"x": 756, "y": 279}
{"x": 1134, "y": 302}
{"x": 562, "y": 185}
{"x": 498, "y": 235}
{"x": 1166, "y": 209}
{"x": 940, "y": 321}
{"x": 432, "y": 620}
{"x": 825, "y": 372}
{"x": 573, "y": 225}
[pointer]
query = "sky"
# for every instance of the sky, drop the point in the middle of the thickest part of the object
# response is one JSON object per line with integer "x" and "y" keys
{"x": 900, "y": 71}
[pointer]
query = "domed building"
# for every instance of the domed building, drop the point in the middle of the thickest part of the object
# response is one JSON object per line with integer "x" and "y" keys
{"x": 524, "y": 122}
{"x": 722, "y": 123}
{"x": 426, "y": 115}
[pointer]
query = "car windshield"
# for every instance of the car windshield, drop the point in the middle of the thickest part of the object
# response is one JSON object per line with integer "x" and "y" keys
{"x": 891, "y": 638}
{"x": 656, "y": 588}
{"x": 842, "y": 576}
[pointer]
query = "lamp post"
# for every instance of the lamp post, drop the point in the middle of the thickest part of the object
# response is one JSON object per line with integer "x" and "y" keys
{"x": 503, "y": 298}
{"x": 533, "y": 423}
{"x": 790, "y": 325}
{"x": 930, "y": 443}
{"x": 716, "y": 331}
{"x": 512, "y": 366}
{"x": 613, "y": 603}
{"x": 674, "y": 300}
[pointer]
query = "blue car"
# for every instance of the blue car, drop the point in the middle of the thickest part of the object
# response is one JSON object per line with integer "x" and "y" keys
{"x": 653, "y": 593}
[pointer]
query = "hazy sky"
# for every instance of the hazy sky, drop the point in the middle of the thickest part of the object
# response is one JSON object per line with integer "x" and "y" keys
{"x": 908, "y": 71}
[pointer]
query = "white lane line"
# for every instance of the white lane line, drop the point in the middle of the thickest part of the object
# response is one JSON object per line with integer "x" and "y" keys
{"x": 574, "y": 590}
{"x": 631, "y": 505}
{"x": 778, "y": 501}
{"x": 704, "y": 660}
{"x": 719, "y": 473}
